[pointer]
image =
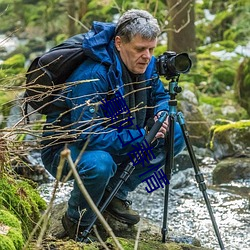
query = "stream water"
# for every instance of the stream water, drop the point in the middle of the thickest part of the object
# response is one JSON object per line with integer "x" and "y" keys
{"x": 187, "y": 212}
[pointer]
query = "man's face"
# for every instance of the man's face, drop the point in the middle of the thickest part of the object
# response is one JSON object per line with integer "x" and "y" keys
{"x": 137, "y": 53}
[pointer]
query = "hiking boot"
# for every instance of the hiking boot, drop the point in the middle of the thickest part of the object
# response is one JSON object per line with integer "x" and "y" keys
{"x": 121, "y": 211}
{"x": 75, "y": 231}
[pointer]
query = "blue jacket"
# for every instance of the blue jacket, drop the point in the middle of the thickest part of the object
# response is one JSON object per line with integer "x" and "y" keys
{"x": 85, "y": 119}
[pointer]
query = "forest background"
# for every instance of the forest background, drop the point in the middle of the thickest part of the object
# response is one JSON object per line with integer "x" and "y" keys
{"x": 214, "y": 33}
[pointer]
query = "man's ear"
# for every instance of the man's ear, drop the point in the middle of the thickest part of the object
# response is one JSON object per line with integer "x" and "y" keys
{"x": 118, "y": 42}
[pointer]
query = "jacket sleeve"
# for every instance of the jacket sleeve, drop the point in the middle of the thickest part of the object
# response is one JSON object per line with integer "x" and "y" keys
{"x": 88, "y": 122}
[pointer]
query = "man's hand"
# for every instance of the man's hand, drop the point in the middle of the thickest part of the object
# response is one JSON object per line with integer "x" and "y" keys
{"x": 164, "y": 128}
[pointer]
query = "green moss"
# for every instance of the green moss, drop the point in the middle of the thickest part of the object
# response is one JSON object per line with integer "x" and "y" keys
{"x": 9, "y": 219}
{"x": 21, "y": 199}
{"x": 6, "y": 243}
{"x": 16, "y": 237}
{"x": 13, "y": 71}
{"x": 13, "y": 239}
{"x": 16, "y": 61}
{"x": 235, "y": 125}
{"x": 225, "y": 75}
{"x": 239, "y": 128}
{"x": 91, "y": 247}
{"x": 212, "y": 100}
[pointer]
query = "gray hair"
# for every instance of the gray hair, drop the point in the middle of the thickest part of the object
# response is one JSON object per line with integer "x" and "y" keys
{"x": 137, "y": 22}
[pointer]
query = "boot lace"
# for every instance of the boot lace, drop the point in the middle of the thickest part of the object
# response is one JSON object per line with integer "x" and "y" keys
{"x": 127, "y": 203}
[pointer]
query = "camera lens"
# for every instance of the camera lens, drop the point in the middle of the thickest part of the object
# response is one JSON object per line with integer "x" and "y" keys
{"x": 182, "y": 63}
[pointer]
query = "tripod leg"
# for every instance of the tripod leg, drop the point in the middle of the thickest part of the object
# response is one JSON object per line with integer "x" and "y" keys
{"x": 168, "y": 171}
{"x": 199, "y": 176}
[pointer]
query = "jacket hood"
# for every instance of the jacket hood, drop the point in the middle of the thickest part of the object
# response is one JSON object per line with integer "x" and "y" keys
{"x": 98, "y": 43}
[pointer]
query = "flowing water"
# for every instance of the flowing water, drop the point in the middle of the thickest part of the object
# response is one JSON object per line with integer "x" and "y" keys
{"x": 187, "y": 212}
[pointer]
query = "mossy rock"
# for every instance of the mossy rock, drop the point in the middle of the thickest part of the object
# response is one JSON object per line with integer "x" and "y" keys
{"x": 13, "y": 70}
{"x": 16, "y": 61}
{"x": 224, "y": 75}
{"x": 231, "y": 139}
{"x": 128, "y": 244}
{"x": 21, "y": 199}
{"x": 13, "y": 65}
{"x": 11, "y": 237}
{"x": 231, "y": 169}
{"x": 219, "y": 107}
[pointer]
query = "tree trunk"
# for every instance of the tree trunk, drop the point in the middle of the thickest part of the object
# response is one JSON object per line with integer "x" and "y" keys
{"x": 181, "y": 27}
{"x": 71, "y": 6}
{"x": 83, "y": 7}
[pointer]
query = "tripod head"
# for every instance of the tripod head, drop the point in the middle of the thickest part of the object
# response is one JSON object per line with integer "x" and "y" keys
{"x": 174, "y": 89}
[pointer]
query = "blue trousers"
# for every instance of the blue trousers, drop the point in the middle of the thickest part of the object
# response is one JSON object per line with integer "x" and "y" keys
{"x": 99, "y": 170}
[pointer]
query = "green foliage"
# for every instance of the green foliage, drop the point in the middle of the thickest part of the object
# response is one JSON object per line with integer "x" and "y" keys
{"x": 221, "y": 23}
{"x": 229, "y": 23}
{"x": 60, "y": 38}
{"x": 160, "y": 49}
{"x": 216, "y": 67}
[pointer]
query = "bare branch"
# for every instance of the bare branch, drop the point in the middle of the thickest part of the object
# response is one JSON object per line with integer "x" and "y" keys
{"x": 66, "y": 154}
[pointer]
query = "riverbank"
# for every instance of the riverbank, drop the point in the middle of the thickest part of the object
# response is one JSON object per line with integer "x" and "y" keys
{"x": 188, "y": 216}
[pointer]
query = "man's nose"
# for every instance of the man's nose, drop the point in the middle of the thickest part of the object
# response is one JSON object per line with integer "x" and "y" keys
{"x": 146, "y": 54}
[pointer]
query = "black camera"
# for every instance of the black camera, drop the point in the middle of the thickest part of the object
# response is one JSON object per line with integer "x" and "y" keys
{"x": 170, "y": 64}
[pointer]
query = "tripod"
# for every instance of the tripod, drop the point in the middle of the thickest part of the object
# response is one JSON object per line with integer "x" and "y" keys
{"x": 173, "y": 114}
{"x": 126, "y": 173}
{"x": 173, "y": 90}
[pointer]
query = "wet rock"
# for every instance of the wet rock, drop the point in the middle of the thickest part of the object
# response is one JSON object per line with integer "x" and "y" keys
{"x": 181, "y": 179}
{"x": 231, "y": 169}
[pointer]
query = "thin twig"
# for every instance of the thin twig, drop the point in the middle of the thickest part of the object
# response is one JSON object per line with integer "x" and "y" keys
{"x": 137, "y": 236}
{"x": 99, "y": 238}
{"x": 66, "y": 154}
{"x": 77, "y": 21}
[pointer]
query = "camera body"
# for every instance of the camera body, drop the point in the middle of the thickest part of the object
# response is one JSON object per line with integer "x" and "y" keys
{"x": 171, "y": 65}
